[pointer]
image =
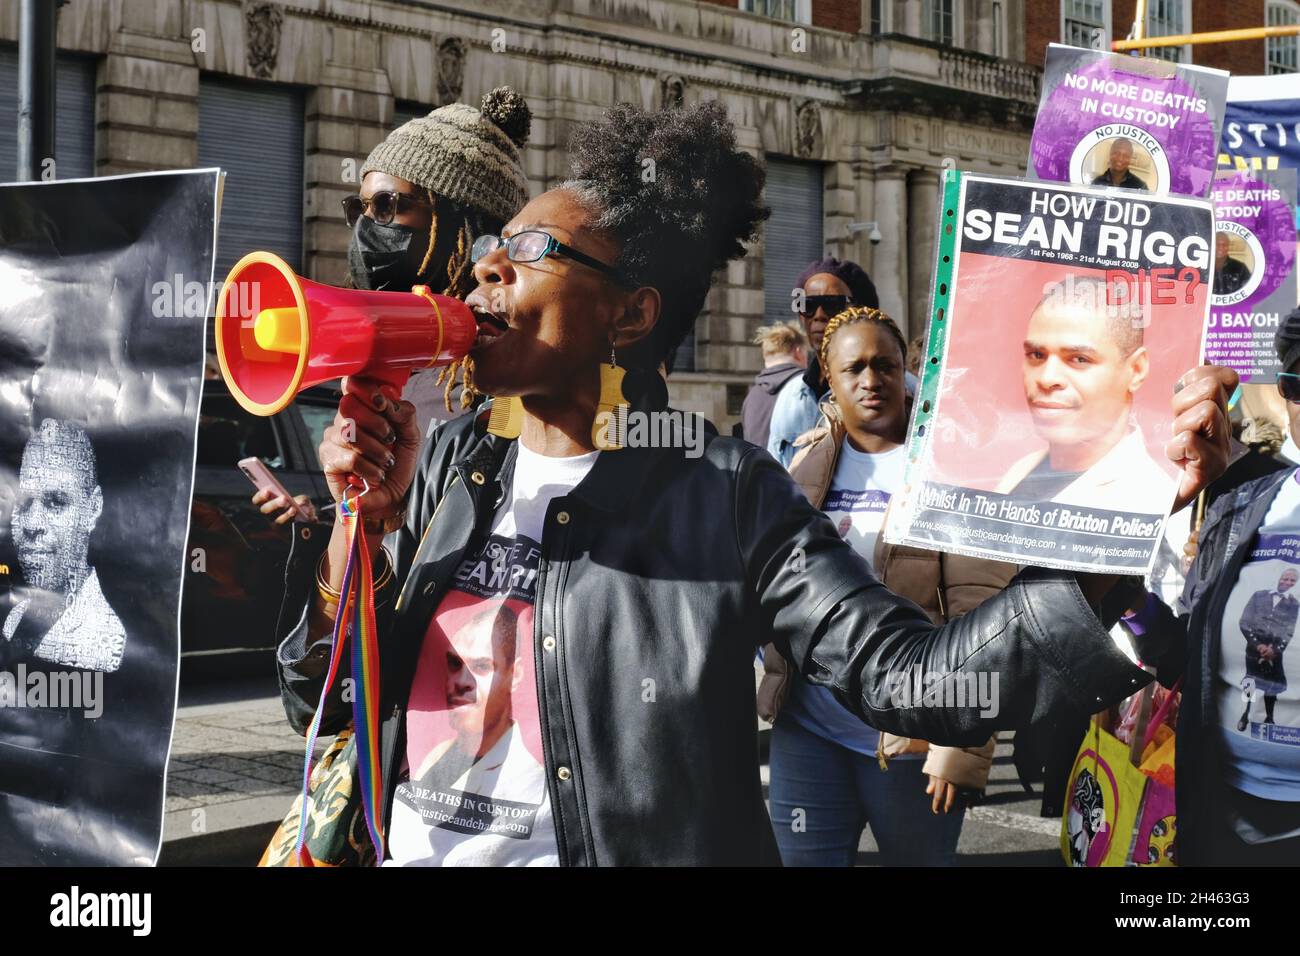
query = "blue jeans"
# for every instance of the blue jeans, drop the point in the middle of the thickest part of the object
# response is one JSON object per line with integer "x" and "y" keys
{"x": 840, "y": 791}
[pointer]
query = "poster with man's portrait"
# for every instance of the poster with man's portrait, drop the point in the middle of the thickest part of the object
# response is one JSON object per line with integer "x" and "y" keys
{"x": 1124, "y": 122}
{"x": 1063, "y": 318}
{"x": 104, "y": 290}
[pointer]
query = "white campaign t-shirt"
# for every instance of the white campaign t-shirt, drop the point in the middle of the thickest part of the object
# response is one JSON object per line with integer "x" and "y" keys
{"x": 472, "y": 788}
{"x": 856, "y": 503}
{"x": 1259, "y": 702}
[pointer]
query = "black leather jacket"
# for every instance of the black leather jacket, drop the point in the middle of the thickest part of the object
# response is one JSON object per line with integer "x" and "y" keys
{"x": 676, "y": 569}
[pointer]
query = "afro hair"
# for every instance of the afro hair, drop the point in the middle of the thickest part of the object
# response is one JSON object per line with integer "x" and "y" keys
{"x": 681, "y": 199}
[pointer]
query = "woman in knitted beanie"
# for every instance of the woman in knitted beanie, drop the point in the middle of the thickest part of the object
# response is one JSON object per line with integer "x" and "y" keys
{"x": 428, "y": 190}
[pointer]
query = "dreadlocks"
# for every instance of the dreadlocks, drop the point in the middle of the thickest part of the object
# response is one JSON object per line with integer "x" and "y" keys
{"x": 853, "y": 316}
{"x": 452, "y": 245}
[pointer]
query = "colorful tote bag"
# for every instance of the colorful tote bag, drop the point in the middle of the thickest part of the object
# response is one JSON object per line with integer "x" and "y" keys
{"x": 1102, "y": 803}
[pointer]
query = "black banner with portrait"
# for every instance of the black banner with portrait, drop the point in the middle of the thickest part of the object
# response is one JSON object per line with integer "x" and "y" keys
{"x": 104, "y": 291}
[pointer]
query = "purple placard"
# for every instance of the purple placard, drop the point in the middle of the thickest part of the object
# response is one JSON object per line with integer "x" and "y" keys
{"x": 1254, "y": 271}
{"x": 1114, "y": 120}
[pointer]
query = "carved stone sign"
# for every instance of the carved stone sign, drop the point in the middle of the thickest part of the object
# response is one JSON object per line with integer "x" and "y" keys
{"x": 262, "y": 22}
{"x": 987, "y": 143}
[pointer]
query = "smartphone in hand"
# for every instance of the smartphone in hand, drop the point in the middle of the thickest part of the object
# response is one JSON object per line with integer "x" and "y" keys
{"x": 264, "y": 480}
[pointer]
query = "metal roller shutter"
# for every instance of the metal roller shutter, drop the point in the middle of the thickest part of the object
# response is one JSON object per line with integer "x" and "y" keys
{"x": 254, "y": 132}
{"x": 792, "y": 237}
{"x": 74, "y": 115}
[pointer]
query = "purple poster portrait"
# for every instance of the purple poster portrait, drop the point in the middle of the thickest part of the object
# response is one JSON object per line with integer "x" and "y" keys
{"x": 1254, "y": 274}
{"x": 1126, "y": 122}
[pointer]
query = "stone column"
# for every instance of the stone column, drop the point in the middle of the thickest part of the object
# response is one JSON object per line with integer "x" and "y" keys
{"x": 346, "y": 117}
{"x": 890, "y": 258}
{"x": 907, "y": 18}
{"x": 839, "y": 208}
{"x": 146, "y": 105}
{"x": 859, "y": 248}
{"x": 923, "y": 215}
{"x": 979, "y": 29}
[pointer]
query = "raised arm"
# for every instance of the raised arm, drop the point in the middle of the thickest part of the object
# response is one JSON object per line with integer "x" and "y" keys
{"x": 1036, "y": 649}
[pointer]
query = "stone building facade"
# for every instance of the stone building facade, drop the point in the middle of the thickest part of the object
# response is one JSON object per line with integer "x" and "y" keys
{"x": 875, "y": 102}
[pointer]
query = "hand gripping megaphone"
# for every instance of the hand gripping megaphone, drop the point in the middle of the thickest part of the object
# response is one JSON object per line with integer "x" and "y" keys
{"x": 278, "y": 333}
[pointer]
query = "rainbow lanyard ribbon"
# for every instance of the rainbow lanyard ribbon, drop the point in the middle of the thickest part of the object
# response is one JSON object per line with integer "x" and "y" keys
{"x": 357, "y": 596}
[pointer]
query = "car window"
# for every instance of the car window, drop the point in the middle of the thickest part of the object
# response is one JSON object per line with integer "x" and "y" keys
{"x": 227, "y": 433}
{"x": 317, "y": 418}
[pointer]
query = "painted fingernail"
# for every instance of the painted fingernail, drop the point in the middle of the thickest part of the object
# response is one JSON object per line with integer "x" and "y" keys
{"x": 391, "y": 462}
{"x": 379, "y": 400}
{"x": 391, "y": 437}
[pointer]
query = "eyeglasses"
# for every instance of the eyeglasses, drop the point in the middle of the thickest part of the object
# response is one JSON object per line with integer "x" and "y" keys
{"x": 831, "y": 305}
{"x": 383, "y": 206}
{"x": 534, "y": 245}
{"x": 1288, "y": 383}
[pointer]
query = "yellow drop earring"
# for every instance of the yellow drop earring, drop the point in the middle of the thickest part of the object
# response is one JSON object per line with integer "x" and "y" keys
{"x": 609, "y": 430}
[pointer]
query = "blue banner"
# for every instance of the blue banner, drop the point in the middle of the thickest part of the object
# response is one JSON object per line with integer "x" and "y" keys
{"x": 1261, "y": 128}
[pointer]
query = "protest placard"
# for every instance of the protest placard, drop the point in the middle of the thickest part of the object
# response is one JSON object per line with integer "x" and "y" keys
{"x": 1254, "y": 270}
{"x": 1062, "y": 319}
{"x": 1107, "y": 119}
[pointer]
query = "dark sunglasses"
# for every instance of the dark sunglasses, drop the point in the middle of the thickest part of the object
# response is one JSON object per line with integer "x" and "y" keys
{"x": 831, "y": 305}
{"x": 534, "y": 245}
{"x": 383, "y": 206}
{"x": 1288, "y": 383}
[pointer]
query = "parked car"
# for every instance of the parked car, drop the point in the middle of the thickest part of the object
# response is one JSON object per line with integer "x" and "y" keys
{"x": 235, "y": 555}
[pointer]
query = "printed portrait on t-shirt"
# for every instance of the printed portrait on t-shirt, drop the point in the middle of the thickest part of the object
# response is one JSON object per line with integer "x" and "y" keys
{"x": 1260, "y": 702}
{"x": 475, "y": 784}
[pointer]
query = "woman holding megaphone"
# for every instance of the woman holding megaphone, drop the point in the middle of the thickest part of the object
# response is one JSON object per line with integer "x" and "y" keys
{"x": 568, "y": 620}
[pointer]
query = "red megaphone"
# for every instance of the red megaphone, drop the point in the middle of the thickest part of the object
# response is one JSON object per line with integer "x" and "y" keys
{"x": 278, "y": 333}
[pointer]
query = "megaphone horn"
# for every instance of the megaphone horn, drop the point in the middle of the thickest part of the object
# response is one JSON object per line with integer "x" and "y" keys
{"x": 278, "y": 333}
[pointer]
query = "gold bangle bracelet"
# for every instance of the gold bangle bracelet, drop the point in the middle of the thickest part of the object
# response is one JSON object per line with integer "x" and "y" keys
{"x": 322, "y": 584}
{"x": 332, "y": 596}
{"x": 330, "y": 601}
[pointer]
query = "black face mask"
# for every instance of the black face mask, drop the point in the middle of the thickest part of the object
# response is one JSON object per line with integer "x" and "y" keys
{"x": 386, "y": 258}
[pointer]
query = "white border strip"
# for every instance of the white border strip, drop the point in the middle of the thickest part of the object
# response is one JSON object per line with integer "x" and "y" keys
{"x": 194, "y": 465}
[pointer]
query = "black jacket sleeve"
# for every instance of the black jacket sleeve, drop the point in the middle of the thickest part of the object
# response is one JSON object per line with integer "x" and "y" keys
{"x": 1037, "y": 649}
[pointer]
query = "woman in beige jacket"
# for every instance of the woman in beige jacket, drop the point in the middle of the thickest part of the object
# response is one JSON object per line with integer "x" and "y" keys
{"x": 826, "y": 773}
